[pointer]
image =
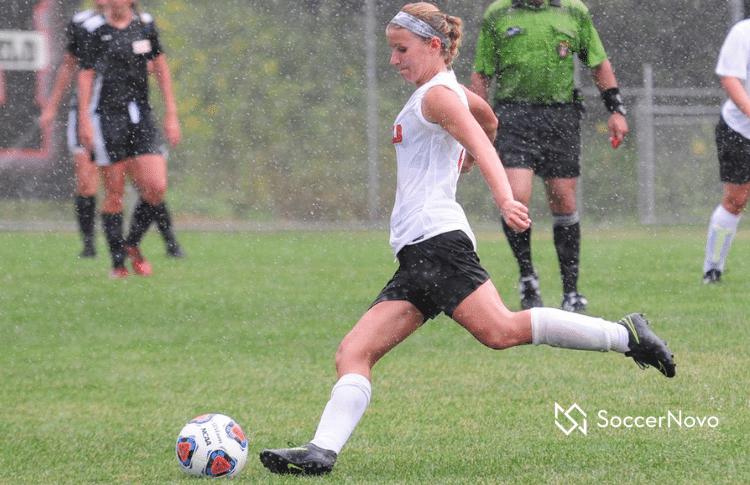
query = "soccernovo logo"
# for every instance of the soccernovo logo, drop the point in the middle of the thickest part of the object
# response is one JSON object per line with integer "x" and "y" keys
{"x": 572, "y": 418}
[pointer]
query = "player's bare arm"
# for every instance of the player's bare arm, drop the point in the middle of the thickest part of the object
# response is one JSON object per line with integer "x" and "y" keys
{"x": 164, "y": 79}
{"x": 85, "y": 129}
{"x": 442, "y": 106}
{"x": 486, "y": 118}
{"x": 62, "y": 83}
{"x": 736, "y": 91}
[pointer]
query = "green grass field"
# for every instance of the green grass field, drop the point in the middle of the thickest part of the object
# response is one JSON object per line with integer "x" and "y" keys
{"x": 98, "y": 376}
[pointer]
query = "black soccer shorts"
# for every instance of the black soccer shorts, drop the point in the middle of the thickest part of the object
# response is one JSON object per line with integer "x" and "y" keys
{"x": 733, "y": 153}
{"x": 122, "y": 135}
{"x": 436, "y": 275}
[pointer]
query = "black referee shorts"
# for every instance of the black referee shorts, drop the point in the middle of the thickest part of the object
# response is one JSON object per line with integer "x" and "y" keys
{"x": 733, "y": 153}
{"x": 543, "y": 138}
{"x": 436, "y": 275}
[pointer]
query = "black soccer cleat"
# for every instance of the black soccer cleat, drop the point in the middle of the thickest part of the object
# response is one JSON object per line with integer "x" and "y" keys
{"x": 528, "y": 290}
{"x": 646, "y": 349}
{"x": 712, "y": 276}
{"x": 574, "y": 302}
{"x": 303, "y": 460}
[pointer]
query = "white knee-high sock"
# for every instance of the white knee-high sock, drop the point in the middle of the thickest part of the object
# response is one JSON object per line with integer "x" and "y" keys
{"x": 721, "y": 230}
{"x": 349, "y": 399}
{"x": 557, "y": 328}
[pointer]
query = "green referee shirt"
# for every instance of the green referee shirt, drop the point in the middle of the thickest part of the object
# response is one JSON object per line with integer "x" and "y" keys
{"x": 530, "y": 50}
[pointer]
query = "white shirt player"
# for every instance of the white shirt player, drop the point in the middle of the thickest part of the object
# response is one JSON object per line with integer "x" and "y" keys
{"x": 428, "y": 162}
{"x": 734, "y": 61}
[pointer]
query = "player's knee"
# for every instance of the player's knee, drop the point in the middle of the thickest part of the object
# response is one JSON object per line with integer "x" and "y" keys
{"x": 349, "y": 356}
{"x": 344, "y": 356}
{"x": 113, "y": 201}
{"x": 735, "y": 203}
{"x": 497, "y": 342}
{"x": 563, "y": 205}
{"x": 112, "y": 206}
{"x": 86, "y": 188}
{"x": 345, "y": 351}
{"x": 154, "y": 193}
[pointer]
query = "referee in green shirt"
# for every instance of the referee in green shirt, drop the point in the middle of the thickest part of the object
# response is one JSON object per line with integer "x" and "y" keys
{"x": 527, "y": 46}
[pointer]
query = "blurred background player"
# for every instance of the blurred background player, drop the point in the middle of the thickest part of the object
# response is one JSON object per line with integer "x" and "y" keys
{"x": 733, "y": 147}
{"x": 87, "y": 175}
{"x": 439, "y": 271}
{"x": 113, "y": 85}
{"x": 527, "y": 46}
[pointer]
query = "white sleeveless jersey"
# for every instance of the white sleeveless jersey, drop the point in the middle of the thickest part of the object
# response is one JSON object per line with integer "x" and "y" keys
{"x": 734, "y": 61}
{"x": 428, "y": 166}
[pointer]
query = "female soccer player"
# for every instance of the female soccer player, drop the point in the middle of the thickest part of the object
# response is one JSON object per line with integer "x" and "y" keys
{"x": 121, "y": 132}
{"x": 439, "y": 270}
{"x": 733, "y": 146}
{"x": 87, "y": 176}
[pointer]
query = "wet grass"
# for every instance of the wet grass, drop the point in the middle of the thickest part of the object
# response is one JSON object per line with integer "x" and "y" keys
{"x": 98, "y": 376}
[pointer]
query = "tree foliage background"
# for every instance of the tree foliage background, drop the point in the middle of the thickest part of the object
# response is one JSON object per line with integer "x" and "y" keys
{"x": 272, "y": 96}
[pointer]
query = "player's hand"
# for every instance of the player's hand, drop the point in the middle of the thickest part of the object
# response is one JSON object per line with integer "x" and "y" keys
{"x": 172, "y": 129}
{"x": 618, "y": 128}
{"x": 516, "y": 215}
{"x": 86, "y": 133}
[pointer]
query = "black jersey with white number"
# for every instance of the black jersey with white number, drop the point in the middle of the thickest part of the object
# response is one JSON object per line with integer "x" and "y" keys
{"x": 120, "y": 58}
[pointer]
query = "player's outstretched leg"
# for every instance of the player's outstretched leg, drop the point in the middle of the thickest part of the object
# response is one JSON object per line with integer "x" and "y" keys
{"x": 631, "y": 336}
{"x": 306, "y": 459}
{"x": 645, "y": 347}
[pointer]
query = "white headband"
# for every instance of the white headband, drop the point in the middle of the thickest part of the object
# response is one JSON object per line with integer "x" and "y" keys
{"x": 418, "y": 27}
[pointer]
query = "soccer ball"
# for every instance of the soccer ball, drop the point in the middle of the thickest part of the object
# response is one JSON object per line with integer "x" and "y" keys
{"x": 212, "y": 445}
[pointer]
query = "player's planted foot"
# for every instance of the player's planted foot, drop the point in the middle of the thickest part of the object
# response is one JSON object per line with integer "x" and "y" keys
{"x": 574, "y": 302}
{"x": 306, "y": 459}
{"x": 646, "y": 349}
{"x": 139, "y": 263}
{"x": 712, "y": 276}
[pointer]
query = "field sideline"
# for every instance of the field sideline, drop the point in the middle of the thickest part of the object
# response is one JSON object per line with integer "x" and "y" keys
{"x": 99, "y": 375}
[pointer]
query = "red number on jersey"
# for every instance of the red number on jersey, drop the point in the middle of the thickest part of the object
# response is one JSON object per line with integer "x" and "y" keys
{"x": 398, "y": 135}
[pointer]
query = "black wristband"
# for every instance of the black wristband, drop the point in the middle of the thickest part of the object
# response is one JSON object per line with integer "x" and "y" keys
{"x": 613, "y": 101}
